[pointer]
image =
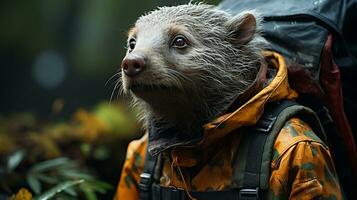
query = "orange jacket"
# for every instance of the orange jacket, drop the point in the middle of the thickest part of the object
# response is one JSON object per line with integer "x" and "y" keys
{"x": 301, "y": 167}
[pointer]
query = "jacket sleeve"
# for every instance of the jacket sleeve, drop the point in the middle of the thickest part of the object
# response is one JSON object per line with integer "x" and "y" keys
{"x": 127, "y": 188}
{"x": 302, "y": 167}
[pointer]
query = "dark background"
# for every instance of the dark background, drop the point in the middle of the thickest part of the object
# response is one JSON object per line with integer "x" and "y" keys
{"x": 58, "y": 55}
{"x": 63, "y": 49}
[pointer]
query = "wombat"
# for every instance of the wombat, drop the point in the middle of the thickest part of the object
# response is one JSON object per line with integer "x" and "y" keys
{"x": 186, "y": 64}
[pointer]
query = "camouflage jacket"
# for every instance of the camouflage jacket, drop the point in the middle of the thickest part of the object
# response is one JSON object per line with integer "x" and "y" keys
{"x": 301, "y": 167}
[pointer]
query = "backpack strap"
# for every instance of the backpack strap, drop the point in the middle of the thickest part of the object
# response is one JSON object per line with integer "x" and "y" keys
{"x": 251, "y": 168}
{"x": 252, "y": 165}
{"x": 171, "y": 193}
{"x": 146, "y": 178}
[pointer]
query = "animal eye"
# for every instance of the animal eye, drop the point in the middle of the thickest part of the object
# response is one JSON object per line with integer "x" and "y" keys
{"x": 131, "y": 44}
{"x": 179, "y": 42}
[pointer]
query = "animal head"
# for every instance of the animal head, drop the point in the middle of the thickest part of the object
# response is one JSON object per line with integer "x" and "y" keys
{"x": 190, "y": 61}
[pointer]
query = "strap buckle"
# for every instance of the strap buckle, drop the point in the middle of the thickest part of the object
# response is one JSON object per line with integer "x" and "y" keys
{"x": 249, "y": 194}
{"x": 145, "y": 181}
{"x": 266, "y": 124}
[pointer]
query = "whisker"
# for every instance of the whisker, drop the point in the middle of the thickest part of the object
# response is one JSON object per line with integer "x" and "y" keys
{"x": 113, "y": 92}
{"x": 111, "y": 78}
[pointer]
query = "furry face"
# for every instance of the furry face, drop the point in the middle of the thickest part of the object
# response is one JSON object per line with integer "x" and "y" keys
{"x": 185, "y": 64}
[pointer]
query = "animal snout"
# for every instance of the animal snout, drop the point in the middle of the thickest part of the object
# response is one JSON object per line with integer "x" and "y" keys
{"x": 133, "y": 64}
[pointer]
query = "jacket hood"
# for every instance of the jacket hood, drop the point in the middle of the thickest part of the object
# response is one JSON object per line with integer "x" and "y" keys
{"x": 248, "y": 113}
{"x": 245, "y": 115}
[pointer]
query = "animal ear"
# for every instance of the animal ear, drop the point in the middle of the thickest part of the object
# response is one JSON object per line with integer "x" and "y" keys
{"x": 241, "y": 28}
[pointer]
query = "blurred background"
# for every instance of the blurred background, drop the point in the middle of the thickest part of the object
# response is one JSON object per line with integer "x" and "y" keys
{"x": 59, "y": 134}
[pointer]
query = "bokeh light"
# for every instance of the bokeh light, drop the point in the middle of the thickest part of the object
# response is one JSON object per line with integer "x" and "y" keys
{"x": 49, "y": 69}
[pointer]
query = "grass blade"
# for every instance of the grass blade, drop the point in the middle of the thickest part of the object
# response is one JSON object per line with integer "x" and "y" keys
{"x": 57, "y": 189}
{"x": 34, "y": 184}
{"x": 50, "y": 164}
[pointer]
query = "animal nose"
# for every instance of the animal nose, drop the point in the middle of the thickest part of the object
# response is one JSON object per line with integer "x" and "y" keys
{"x": 133, "y": 64}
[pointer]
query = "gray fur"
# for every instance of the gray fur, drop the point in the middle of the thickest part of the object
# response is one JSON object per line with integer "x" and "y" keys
{"x": 200, "y": 82}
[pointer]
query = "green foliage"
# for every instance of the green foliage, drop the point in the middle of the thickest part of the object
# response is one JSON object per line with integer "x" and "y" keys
{"x": 117, "y": 119}
{"x": 59, "y": 175}
{"x": 68, "y": 159}
{"x": 41, "y": 154}
{"x": 59, "y": 188}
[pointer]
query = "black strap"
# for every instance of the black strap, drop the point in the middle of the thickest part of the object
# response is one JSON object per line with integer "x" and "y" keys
{"x": 257, "y": 136}
{"x": 170, "y": 193}
{"x": 146, "y": 178}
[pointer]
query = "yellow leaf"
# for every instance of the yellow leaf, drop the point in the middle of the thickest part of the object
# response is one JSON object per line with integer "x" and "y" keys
{"x": 22, "y": 194}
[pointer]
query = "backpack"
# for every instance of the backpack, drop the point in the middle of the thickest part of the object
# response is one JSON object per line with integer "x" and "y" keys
{"x": 250, "y": 181}
{"x": 311, "y": 36}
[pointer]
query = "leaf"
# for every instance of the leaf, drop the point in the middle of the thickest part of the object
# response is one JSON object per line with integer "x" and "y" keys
{"x": 70, "y": 191}
{"x": 47, "y": 179}
{"x": 15, "y": 159}
{"x": 75, "y": 174}
{"x": 34, "y": 184}
{"x": 57, "y": 189}
{"x": 99, "y": 186}
{"x": 42, "y": 166}
{"x": 88, "y": 192}
{"x": 64, "y": 196}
